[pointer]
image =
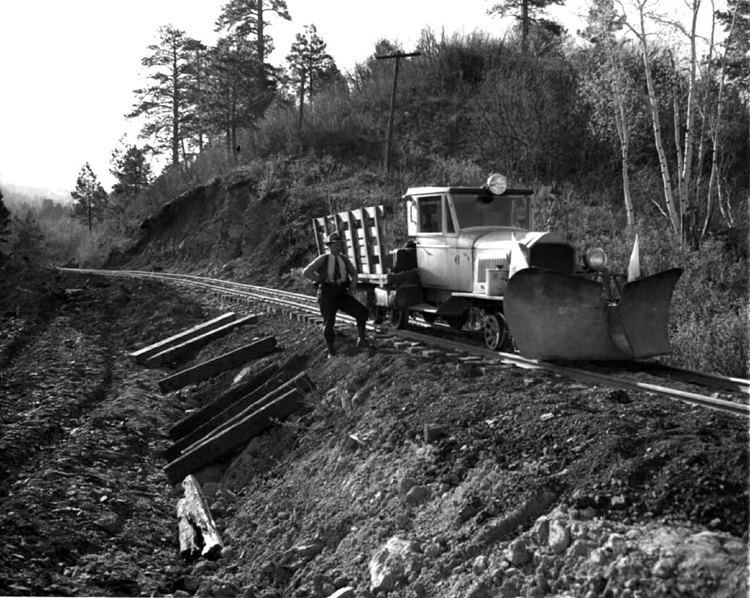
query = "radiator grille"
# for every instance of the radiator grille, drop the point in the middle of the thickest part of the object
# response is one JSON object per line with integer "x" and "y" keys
{"x": 553, "y": 256}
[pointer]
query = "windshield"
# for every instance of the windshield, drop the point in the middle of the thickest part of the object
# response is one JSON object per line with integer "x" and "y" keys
{"x": 476, "y": 210}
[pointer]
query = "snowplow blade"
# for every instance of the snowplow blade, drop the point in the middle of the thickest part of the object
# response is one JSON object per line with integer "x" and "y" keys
{"x": 557, "y": 316}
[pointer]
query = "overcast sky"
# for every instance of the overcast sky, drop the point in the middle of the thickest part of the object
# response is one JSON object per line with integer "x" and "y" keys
{"x": 68, "y": 68}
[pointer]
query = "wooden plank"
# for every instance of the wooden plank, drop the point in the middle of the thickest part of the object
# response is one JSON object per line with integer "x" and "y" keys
{"x": 205, "y": 413}
{"x": 353, "y": 244}
{"x": 142, "y": 354}
{"x": 182, "y": 350}
{"x": 380, "y": 251}
{"x": 230, "y": 438}
{"x": 292, "y": 364}
{"x": 361, "y": 235}
{"x": 319, "y": 232}
{"x": 215, "y": 366}
{"x": 200, "y": 516}
{"x": 267, "y": 392}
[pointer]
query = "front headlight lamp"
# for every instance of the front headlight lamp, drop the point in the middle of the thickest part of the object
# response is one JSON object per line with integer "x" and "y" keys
{"x": 595, "y": 258}
{"x": 497, "y": 184}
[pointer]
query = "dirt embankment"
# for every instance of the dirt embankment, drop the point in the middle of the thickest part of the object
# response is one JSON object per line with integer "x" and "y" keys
{"x": 533, "y": 486}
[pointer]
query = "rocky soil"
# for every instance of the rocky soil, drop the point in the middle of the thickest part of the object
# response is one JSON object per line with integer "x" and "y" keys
{"x": 407, "y": 476}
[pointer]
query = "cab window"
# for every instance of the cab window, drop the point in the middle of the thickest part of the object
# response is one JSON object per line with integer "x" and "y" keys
{"x": 430, "y": 214}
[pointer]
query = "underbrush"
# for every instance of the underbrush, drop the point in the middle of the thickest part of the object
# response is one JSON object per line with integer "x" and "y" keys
{"x": 708, "y": 324}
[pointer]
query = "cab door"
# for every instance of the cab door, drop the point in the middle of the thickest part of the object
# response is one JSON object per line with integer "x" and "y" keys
{"x": 433, "y": 245}
{"x": 459, "y": 253}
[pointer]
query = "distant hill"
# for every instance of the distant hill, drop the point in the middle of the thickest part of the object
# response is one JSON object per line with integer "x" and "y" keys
{"x": 15, "y": 196}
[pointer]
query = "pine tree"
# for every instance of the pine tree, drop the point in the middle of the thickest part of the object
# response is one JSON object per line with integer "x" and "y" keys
{"x": 310, "y": 64}
{"x": 248, "y": 19}
{"x": 165, "y": 101}
{"x": 27, "y": 241}
{"x": 132, "y": 171}
{"x": 234, "y": 96}
{"x": 91, "y": 198}
{"x": 528, "y": 12}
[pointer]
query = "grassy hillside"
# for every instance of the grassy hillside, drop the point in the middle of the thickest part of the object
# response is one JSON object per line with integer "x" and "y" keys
{"x": 467, "y": 107}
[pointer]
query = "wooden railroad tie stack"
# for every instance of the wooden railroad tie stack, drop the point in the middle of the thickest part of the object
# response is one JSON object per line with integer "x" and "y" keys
{"x": 229, "y": 421}
{"x": 213, "y": 432}
{"x": 181, "y": 345}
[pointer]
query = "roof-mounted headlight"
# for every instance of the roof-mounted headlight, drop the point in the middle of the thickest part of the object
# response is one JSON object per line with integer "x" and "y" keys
{"x": 496, "y": 184}
{"x": 595, "y": 258}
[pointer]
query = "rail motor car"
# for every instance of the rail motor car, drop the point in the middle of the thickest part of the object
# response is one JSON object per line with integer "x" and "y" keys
{"x": 473, "y": 261}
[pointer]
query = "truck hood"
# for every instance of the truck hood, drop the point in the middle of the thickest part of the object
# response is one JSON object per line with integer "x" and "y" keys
{"x": 502, "y": 239}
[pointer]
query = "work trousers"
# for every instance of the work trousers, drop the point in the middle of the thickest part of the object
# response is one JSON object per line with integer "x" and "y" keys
{"x": 333, "y": 297}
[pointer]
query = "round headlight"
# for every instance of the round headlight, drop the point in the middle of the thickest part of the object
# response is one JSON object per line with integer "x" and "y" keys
{"x": 497, "y": 184}
{"x": 596, "y": 259}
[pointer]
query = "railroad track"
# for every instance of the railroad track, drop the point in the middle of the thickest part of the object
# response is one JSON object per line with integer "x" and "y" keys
{"x": 637, "y": 375}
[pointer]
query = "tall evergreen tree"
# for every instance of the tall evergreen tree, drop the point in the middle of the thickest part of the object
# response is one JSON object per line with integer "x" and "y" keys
{"x": 165, "y": 101}
{"x": 528, "y": 12}
{"x": 132, "y": 171}
{"x": 91, "y": 198}
{"x": 27, "y": 239}
{"x": 249, "y": 19}
{"x": 310, "y": 64}
{"x": 234, "y": 96}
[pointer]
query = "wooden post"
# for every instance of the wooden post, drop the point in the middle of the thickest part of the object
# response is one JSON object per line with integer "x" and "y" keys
{"x": 389, "y": 135}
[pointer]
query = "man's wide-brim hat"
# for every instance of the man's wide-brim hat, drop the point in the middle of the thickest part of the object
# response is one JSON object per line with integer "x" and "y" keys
{"x": 334, "y": 237}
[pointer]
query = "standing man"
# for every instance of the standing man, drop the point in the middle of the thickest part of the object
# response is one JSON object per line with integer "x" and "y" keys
{"x": 336, "y": 279}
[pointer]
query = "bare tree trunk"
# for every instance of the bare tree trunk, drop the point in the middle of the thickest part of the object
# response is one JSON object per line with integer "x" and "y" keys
{"x": 175, "y": 108}
{"x": 674, "y": 216}
{"x": 715, "y": 132}
{"x": 301, "y": 100}
{"x": 261, "y": 47}
{"x": 687, "y": 171}
{"x": 623, "y": 132}
{"x": 677, "y": 125}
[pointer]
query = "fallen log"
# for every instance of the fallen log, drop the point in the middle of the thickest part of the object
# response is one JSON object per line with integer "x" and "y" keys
{"x": 215, "y": 366}
{"x": 142, "y": 354}
{"x": 199, "y": 517}
{"x": 189, "y": 548}
{"x": 186, "y": 425}
{"x": 182, "y": 350}
{"x": 226, "y": 440}
{"x": 273, "y": 388}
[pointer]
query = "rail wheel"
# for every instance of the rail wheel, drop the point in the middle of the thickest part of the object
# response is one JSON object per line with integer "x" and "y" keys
{"x": 398, "y": 318}
{"x": 495, "y": 331}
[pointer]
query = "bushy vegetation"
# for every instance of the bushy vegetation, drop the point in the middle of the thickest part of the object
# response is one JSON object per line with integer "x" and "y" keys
{"x": 539, "y": 109}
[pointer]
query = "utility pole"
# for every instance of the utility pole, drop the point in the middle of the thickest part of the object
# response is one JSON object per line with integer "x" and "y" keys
{"x": 389, "y": 135}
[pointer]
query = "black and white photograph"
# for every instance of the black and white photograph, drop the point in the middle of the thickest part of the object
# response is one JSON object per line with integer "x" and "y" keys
{"x": 396, "y": 299}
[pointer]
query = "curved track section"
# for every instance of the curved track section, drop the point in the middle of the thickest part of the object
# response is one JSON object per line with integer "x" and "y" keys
{"x": 621, "y": 377}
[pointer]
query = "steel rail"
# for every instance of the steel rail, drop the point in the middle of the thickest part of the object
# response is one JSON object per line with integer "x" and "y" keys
{"x": 307, "y": 303}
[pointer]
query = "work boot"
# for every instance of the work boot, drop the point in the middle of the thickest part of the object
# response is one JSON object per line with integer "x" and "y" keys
{"x": 362, "y": 340}
{"x": 330, "y": 348}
